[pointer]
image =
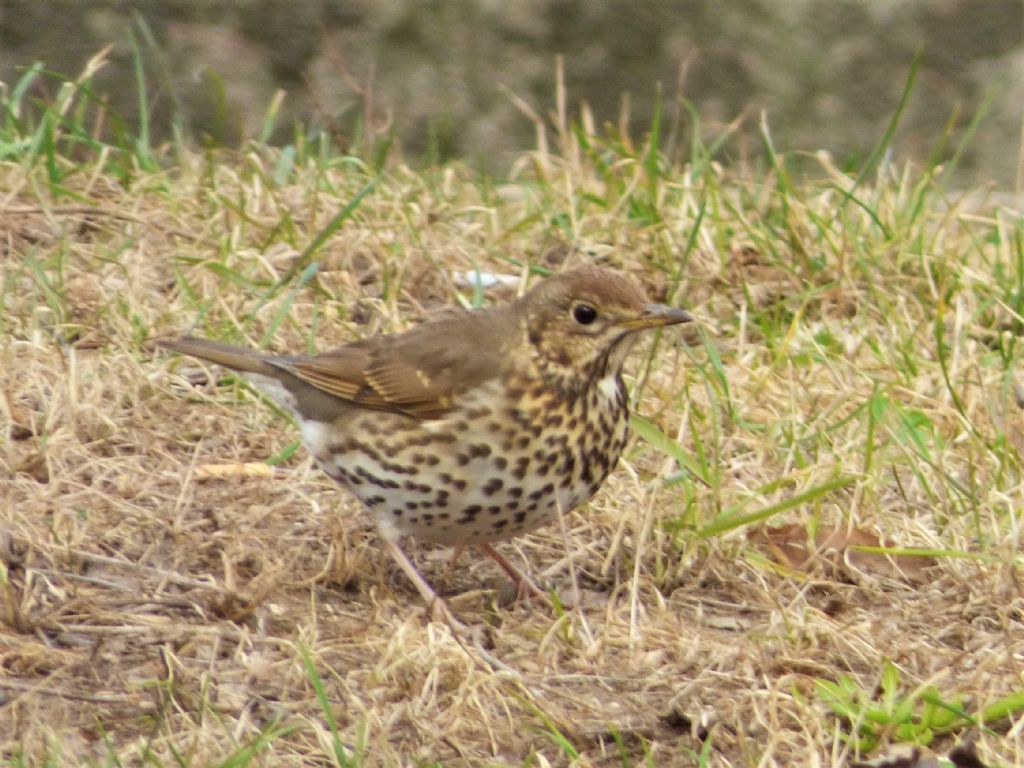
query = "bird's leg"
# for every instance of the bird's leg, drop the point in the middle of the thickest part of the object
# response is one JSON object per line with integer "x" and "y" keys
{"x": 524, "y": 586}
{"x": 450, "y": 565}
{"x": 438, "y": 608}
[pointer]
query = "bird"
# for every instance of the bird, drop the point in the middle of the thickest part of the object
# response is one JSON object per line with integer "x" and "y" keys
{"x": 470, "y": 428}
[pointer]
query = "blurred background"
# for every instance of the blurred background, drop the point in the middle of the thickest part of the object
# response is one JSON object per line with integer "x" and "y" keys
{"x": 439, "y": 75}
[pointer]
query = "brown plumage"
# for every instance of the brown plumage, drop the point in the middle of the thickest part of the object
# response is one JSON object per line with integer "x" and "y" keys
{"x": 475, "y": 427}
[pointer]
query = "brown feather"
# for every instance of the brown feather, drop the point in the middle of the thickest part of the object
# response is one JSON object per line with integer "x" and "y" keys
{"x": 420, "y": 372}
{"x": 235, "y": 358}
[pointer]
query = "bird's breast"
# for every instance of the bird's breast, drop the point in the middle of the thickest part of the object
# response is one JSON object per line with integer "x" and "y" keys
{"x": 504, "y": 461}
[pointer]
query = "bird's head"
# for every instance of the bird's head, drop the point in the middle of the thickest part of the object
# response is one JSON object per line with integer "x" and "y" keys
{"x": 583, "y": 322}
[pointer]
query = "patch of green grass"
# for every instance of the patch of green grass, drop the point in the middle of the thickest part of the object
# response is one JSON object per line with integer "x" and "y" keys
{"x": 891, "y": 714}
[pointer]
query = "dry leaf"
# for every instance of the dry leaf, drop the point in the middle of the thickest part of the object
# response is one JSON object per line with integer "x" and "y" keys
{"x": 790, "y": 545}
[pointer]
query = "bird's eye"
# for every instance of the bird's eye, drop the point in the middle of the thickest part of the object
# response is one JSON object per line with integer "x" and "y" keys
{"x": 584, "y": 314}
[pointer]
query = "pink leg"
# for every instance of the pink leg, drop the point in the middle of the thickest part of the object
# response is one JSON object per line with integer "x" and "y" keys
{"x": 438, "y": 608}
{"x": 523, "y": 583}
{"x": 452, "y": 562}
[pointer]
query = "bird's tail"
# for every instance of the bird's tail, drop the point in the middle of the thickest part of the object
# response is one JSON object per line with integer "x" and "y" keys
{"x": 237, "y": 358}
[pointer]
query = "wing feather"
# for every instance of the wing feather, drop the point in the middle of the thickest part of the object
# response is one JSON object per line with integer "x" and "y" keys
{"x": 419, "y": 373}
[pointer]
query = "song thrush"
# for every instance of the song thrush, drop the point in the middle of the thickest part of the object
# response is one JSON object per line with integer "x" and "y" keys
{"x": 474, "y": 427}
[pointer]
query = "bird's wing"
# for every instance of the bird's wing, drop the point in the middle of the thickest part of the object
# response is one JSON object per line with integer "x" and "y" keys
{"x": 419, "y": 373}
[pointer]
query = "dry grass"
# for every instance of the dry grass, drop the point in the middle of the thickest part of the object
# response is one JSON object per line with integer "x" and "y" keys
{"x": 159, "y": 613}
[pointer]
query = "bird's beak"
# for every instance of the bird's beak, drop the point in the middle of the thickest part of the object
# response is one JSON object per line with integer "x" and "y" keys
{"x": 654, "y": 316}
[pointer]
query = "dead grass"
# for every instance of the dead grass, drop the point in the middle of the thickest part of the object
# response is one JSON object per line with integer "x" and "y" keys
{"x": 159, "y": 616}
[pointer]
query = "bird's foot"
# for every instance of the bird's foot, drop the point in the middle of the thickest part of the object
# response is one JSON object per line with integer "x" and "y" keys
{"x": 437, "y": 608}
{"x": 525, "y": 588}
{"x": 439, "y": 611}
{"x": 449, "y": 566}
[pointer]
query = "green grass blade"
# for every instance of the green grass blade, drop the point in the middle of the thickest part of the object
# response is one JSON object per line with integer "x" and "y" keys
{"x": 286, "y": 304}
{"x": 875, "y": 158}
{"x": 142, "y": 147}
{"x": 662, "y": 443}
{"x": 318, "y": 242}
{"x": 729, "y": 520}
{"x": 340, "y": 752}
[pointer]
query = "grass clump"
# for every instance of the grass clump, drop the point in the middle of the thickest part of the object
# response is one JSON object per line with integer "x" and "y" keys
{"x": 809, "y": 554}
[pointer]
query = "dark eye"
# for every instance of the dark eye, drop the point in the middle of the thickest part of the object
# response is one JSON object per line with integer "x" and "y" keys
{"x": 584, "y": 314}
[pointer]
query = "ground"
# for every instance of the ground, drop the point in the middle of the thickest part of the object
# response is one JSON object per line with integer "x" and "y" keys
{"x": 815, "y": 533}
